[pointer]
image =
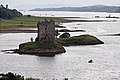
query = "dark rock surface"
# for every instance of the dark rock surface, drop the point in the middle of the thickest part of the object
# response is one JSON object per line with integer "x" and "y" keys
{"x": 112, "y": 34}
{"x": 65, "y": 35}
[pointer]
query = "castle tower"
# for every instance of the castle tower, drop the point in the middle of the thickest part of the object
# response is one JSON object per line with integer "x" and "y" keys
{"x": 46, "y": 31}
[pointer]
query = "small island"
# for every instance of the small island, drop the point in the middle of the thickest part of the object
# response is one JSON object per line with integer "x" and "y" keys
{"x": 85, "y": 39}
{"x": 45, "y": 44}
{"x": 41, "y": 49}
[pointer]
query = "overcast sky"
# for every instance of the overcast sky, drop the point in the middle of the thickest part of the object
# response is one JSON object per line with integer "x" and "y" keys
{"x": 56, "y": 3}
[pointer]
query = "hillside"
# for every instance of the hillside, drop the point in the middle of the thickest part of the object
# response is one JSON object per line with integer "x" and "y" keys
{"x": 94, "y": 8}
{"x": 6, "y": 13}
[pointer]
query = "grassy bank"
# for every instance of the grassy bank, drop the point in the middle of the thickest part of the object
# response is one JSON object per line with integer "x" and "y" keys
{"x": 79, "y": 40}
{"x": 25, "y": 21}
{"x": 43, "y": 46}
{"x": 41, "y": 49}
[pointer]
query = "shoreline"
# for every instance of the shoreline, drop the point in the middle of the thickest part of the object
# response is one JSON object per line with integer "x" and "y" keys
{"x": 32, "y": 29}
{"x": 21, "y": 29}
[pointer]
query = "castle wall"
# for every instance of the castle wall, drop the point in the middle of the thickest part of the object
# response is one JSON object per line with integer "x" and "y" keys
{"x": 46, "y": 31}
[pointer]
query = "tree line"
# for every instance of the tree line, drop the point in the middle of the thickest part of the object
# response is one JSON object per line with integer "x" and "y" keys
{"x": 6, "y": 13}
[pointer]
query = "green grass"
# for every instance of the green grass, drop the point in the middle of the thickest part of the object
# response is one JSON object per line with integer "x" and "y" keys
{"x": 79, "y": 40}
{"x": 26, "y": 21}
{"x": 57, "y": 44}
{"x": 36, "y": 45}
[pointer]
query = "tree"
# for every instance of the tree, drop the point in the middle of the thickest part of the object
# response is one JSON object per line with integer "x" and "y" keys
{"x": 11, "y": 76}
{"x": 6, "y": 13}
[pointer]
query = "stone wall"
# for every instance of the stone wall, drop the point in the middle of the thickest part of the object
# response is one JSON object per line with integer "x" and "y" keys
{"x": 46, "y": 31}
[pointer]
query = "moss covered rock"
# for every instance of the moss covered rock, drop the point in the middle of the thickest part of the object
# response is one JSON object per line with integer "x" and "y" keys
{"x": 79, "y": 40}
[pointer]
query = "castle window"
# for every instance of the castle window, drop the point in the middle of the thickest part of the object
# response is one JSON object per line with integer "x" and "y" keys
{"x": 45, "y": 28}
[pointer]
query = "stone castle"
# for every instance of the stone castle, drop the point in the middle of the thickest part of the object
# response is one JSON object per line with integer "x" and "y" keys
{"x": 46, "y": 31}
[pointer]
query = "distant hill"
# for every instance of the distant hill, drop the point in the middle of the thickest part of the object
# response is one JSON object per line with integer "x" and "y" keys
{"x": 95, "y": 8}
{"x": 6, "y": 13}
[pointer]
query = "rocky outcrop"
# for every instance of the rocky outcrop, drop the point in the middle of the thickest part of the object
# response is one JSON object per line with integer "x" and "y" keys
{"x": 40, "y": 52}
{"x": 53, "y": 48}
{"x": 47, "y": 49}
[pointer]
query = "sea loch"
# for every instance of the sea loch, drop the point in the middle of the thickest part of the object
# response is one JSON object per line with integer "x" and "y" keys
{"x": 74, "y": 63}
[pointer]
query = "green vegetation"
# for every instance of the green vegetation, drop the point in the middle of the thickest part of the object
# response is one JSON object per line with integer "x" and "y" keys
{"x": 41, "y": 46}
{"x": 6, "y": 13}
{"x": 25, "y": 21}
{"x": 52, "y": 48}
{"x": 41, "y": 49}
{"x": 79, "y": 40}
{"x": 11, "y": 76}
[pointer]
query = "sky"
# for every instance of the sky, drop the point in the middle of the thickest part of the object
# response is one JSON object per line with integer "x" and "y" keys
{"x": 30, "y": 4}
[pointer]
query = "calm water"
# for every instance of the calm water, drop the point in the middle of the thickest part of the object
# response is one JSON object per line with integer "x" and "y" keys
{"x": 69, "y": 14}
{"x": 74, "y": 63}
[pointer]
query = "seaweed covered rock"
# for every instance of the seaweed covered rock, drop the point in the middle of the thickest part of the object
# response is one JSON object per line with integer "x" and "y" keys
{"x": 79, "y": 40}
